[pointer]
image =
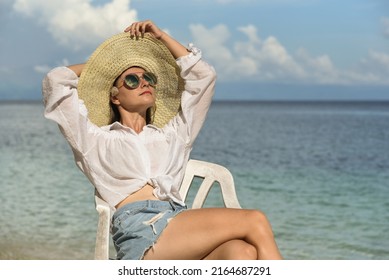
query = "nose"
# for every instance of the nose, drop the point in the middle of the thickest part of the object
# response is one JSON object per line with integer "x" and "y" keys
{"x": 144, "y": 82}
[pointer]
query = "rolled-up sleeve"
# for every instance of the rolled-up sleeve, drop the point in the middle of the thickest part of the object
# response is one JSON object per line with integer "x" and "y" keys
{"x": 62, "y": 105}
{"x": 200, "y": 78}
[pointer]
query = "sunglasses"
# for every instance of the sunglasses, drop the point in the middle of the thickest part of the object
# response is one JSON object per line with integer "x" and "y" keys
{"x": 133, "y": 81}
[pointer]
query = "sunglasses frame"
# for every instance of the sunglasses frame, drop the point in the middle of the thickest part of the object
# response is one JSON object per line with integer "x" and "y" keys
{"x": 148, "y": 75}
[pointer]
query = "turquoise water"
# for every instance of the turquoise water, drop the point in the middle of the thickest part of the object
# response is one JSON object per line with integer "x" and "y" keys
{"x": 320, "y": 171}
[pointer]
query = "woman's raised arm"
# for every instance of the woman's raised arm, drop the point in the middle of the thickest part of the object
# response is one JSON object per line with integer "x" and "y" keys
{"x": 77, "y": 68}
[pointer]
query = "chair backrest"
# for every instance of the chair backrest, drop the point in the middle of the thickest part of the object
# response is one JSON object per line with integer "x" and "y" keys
{"x": 209, "y": 172}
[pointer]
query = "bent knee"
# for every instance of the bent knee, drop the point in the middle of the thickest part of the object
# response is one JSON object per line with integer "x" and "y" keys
{"x": 257, "y": 216}
{"x": 260, "y": 222}
{"x": 241, "y": 250}
{"x": 247, "y": 252}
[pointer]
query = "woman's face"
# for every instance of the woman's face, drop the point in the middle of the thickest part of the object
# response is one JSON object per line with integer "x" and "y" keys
{"x": 135, "y": 99}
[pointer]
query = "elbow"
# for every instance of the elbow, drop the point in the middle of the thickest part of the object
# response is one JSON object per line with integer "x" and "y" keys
{"x": 209, "y": 71}
{"x": 212, "y": 74}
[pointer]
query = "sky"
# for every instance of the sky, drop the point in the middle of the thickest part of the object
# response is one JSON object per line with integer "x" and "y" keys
{"x": 261, "y": 49}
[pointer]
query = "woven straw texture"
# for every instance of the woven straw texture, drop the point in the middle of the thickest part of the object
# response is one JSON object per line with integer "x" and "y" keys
{"x": 116, "y": 55}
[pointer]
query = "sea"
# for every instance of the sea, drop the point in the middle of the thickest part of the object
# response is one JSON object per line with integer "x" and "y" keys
{"x": 318, "y": 170}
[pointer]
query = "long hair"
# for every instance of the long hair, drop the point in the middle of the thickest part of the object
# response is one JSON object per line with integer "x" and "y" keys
{"x": 115, "y": 114}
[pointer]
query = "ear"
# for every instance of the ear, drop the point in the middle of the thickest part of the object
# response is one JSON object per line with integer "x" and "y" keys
{"x": 114, "y": 93}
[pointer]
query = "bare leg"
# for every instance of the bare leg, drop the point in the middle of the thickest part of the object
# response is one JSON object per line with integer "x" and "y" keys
{"x": 233, "y": 250}
{"x": 197, "y": 233}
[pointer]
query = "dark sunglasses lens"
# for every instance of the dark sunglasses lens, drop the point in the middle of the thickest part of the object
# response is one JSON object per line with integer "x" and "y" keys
{"x": 150, "y": 78}
{"x": 132, "y": 81}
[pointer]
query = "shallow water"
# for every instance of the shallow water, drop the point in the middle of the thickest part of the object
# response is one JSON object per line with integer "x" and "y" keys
{"x": 318, "y": 170}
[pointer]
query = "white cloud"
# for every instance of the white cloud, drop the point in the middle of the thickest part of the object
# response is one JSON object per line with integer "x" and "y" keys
{"x": 267, "y": 60}
{"x": 319, "y": 69}
{"x": 375, "y": 68}
{"x": 77, "y": 23}
{"x": 213, "y": 41}
{"x": 263, "y": 60}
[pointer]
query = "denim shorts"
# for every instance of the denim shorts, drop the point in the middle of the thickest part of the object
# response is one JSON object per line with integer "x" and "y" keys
{"x": 136, "y": 226}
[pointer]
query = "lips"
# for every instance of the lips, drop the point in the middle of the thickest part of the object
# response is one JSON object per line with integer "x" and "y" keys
{"x": 146, "y": 92}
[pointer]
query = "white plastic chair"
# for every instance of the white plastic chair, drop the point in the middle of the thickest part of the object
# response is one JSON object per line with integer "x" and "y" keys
{"x": 209, "y": 172}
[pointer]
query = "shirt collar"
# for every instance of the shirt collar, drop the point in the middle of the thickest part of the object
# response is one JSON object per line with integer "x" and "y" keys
{"x": 119, "y": 126}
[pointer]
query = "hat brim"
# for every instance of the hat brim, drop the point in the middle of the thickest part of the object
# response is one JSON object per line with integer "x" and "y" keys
{"x": 116, "y": 55}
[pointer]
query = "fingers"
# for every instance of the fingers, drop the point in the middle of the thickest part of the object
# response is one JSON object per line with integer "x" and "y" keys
{"x": 138, "y": 29}
{"x": 133, "y": 29}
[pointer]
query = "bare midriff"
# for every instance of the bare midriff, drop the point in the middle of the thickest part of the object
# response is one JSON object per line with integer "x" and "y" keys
{"x": 145, "y": 193}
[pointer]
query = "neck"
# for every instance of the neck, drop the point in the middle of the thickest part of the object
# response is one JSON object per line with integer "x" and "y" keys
{"x": 136, "y": 121}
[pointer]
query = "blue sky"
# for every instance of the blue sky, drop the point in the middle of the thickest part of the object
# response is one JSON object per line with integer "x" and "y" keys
{"x": 264, "y": 50}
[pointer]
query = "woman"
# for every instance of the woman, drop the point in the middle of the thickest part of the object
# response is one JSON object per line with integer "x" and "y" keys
{"x": 131, "y": 115}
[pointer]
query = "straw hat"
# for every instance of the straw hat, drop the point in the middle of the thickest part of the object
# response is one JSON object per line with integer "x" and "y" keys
{"x": 116, "y": 55}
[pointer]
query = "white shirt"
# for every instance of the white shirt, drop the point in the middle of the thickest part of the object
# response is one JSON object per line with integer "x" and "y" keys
{"x": 116, "y": 159}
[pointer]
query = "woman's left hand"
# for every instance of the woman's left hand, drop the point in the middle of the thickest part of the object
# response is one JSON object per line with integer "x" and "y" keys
{"x": 139, "y": 28}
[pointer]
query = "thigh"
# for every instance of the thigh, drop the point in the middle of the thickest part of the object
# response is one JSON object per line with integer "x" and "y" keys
{"x": 195, "y": 233}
